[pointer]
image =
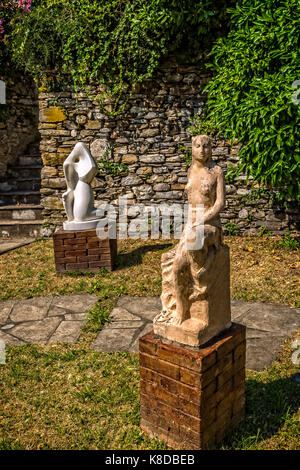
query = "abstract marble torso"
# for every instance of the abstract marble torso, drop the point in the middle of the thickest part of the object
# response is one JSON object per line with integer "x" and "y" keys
{"x": 196, "y": 282}
{"x": 79, "y": 170}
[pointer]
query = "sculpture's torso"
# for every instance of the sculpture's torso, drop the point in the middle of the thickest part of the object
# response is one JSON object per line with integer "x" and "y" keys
{"x": 201, "y": 189}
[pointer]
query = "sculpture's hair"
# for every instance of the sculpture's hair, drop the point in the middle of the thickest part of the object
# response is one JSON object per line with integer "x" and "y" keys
{"x": 204, "y": 137}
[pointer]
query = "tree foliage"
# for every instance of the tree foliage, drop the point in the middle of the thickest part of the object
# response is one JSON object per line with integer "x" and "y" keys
{"x": 251, "y": 96}
{"x": 117, "y": 43}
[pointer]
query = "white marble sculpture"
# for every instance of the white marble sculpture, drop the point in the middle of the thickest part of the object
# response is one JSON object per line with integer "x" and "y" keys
{"x": 79, "y": 170}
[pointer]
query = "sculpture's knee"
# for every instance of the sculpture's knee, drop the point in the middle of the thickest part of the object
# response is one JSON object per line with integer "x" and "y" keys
{"x": 180, "y": 270}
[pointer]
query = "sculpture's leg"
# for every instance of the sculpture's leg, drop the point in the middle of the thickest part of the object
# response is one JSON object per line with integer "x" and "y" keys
{"x": 68, "y": 201}
{"x": 168, "y": 294}
{"x": 201, "y": 261}
{"x": 182, "y": 279}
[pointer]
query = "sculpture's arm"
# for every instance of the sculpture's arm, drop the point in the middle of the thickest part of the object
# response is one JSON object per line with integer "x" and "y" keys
{"x": 220, "y": 198}
{"x": 71, "y": 179}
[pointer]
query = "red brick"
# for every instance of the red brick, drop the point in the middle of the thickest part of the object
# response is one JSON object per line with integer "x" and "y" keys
{"x": 106, "y": 251}
{"x": 224, "y": 390}
{"x": 76, "y": 253}
{"x": 224, "y": 377}
{"x": 153, "y": 390}
{"x": 58, "y": 242}
{"x": 92, "y": 245}
{"x": 149, "y": 347}
{"x": 94, "y": 239}
{"x": 58, "y": 249}
{"x": 236, "y": 419}
{"x": 174, "y": 386}
{"x": 208, "y": 405}
{"x": 73, "y": 241}
{"x": 105, "y": 256}
{"x": 239, "y": 351}
{"x": 225, "y": 404}
{"x": 222, "y": 425}
{"x": 83, "y": 259}
{"x": 60, "y": 267}
{"x": 197, "y": 361}
{"x": 163, "y": 367}
{"x": 93, "y": 251}
{"x": 209, "y": 436}
{"x": 239, "y": 379}
{"x": 76, "y": 266}
{"x": 67, "y": 259}
{"x": 98, "y": 264}
{"x": 148, "y": 374}
{"x": 188, "y": 437}
{"x": 85, "y": 233}
{"x": 62, "y": 235}
{"x": 179, "y": 417}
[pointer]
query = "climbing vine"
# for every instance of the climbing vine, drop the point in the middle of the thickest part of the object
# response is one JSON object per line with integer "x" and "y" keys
{"x": 115, "y": 43}
{"x": 252, "y": 96}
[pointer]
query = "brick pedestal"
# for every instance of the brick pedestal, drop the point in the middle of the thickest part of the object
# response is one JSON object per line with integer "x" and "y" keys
{"x": 82, "y": 250}
{"x": 191, "y": 399}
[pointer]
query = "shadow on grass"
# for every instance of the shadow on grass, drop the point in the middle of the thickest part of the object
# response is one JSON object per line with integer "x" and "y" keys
{"x": 135, "y": 257}
{"x": 269, "y": 406}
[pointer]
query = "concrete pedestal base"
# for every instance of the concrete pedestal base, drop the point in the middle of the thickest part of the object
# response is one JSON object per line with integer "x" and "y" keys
{"x": 82, "y": 250}
{"x": 190, "y": 398}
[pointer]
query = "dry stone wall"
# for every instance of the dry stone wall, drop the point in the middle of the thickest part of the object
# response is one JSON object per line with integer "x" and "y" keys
{"x": 18, "y": 119}
{"x": 145, "y": 148}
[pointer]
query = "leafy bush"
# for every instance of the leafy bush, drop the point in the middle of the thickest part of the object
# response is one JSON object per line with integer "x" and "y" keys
{"x": 11, "y": 11}
{"x": 116, "y": 43}
{"x": 250, "y": 95}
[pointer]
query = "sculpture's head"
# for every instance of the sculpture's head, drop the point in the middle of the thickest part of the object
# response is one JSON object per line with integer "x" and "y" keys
{"x": 201, "y": 148}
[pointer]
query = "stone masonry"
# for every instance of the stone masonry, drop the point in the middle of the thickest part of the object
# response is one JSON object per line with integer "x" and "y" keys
{"x": 18, "y": 121}
{"x": 149, "y": 139}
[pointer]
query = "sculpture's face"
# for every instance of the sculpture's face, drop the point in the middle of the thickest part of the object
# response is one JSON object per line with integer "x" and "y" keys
{"x": 201, "y": 148}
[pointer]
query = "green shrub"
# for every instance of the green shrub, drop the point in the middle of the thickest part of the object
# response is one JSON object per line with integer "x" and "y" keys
{"x": 116, "y": 43}
{"x": 250, "y": 95}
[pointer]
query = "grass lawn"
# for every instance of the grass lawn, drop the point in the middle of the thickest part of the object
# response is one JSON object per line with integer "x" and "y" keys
{"x": 71, "y": 397}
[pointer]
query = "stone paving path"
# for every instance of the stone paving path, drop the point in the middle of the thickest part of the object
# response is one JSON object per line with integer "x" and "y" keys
{"x": 267, "y": 327}
{"x": 11, "y": 244}
{"x": 50, "y": 319}
{"x": 56, "y": 319}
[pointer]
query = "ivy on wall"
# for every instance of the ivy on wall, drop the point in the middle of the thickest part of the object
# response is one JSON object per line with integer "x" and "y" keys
{"x": 116, "y": 43}
{"x": 252, "y": 97}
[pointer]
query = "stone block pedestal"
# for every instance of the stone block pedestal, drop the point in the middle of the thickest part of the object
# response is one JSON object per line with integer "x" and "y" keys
{"x": 82, "y": 250}
{"x": 191, "y": 398}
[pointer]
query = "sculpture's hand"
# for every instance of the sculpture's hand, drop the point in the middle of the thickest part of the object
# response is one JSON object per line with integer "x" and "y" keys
{"x": 66, "y": 194}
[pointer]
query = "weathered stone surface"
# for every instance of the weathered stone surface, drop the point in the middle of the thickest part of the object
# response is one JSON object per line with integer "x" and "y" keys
{"x": 50, "y": 159}
{"x": 52, "y": 114}
{"x": 44, "y": 319}
{"x": 93, "y": 125}
{"x": 267, "y": 327}
{"x": 98, "y": 148}
{"x": 36, "y": 331}
{"x": 106, "y": 341}
{"x": 30, "y": 310}
{"x": 152, "y": 158}
{"x": 9, "y": 339}
{"x": 67, "y": 332}
{"x": 151, "y": 137}
{"x": 131, "y": 181}
{"x": 75, "y": 303}
{"x": 6, "y": 307}
{"x": 129, "y": 158}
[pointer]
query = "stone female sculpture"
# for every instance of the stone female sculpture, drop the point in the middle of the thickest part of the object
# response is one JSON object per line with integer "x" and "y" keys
{"x": 195, "y": 282}
{"x": 79, "y": 170}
